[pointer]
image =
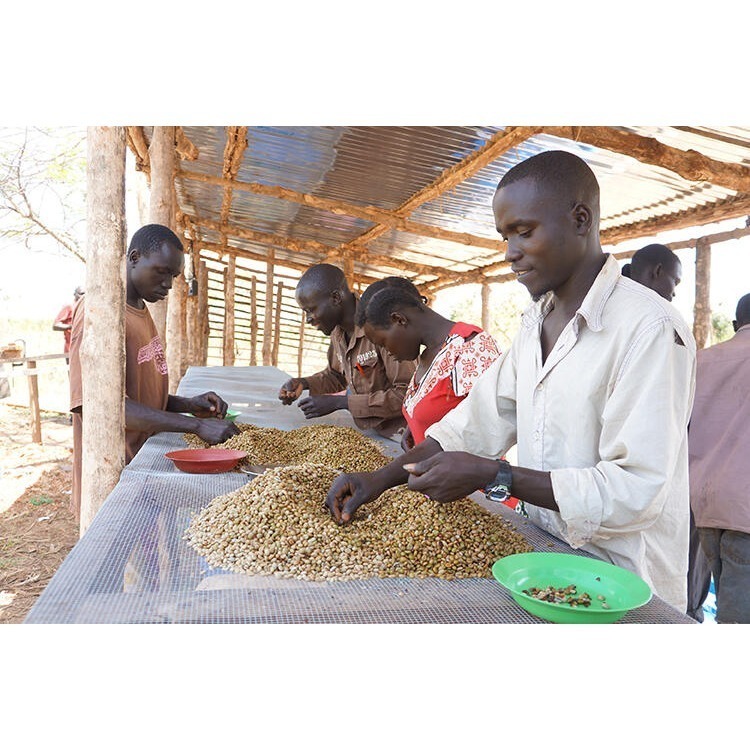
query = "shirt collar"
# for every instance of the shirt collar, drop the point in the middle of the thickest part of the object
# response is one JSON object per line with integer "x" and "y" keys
{"x": 591, "y": 308}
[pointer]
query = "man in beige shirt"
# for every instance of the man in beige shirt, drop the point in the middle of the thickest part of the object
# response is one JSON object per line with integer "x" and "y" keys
{"x": 719, "y": 477}
{"x": 375, "y": 382}
{"x": 595, "y": 390}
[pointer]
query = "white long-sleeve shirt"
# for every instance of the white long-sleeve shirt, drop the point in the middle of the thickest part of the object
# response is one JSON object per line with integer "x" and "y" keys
{"x": 607, "y": 416}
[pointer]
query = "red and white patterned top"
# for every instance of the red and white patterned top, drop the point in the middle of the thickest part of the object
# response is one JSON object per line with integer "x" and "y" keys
{"x": 450, "y": 377}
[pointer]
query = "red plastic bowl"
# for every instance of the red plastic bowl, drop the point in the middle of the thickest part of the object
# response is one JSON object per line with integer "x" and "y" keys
{"x": 206, "y": 460}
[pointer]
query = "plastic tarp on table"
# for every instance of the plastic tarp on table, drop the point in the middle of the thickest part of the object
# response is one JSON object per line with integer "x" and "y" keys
{"x": 134, "y": 566}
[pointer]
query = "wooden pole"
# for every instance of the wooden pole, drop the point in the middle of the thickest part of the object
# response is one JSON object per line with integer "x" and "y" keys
{"x": 486, "y": 307}
{"x": 103, "y": 343}
{"x": 36, "y": 420}
{"x": 192, "y": 326}
{"x": 277, "y": 325}
{"x": 349, "y": 270}
{"x": 161, "y": 210}
{"x": 702, "y": 309}
{"x": 301, "y": 344}
{"x": 203, "y": 327}
{"x": 229, "y": 280}
{"x": 253, "y": 322}
{"x": 268, "y": 313}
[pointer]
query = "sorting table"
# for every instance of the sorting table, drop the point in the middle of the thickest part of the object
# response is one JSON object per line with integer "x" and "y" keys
{"x": 133, "y": 565}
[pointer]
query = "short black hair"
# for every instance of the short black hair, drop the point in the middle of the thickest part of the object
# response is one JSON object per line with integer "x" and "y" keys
{"x": 648, "y": 257}
{"x": 742, "y": 314}
{"x": 566, "y": 173}
{"x": 323, "y": 278}
{"x": 382, "y": 297}
{"x": 150, "y": 237}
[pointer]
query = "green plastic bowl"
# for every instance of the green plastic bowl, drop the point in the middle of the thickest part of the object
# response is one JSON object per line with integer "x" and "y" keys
{"x": 621, "y": 589}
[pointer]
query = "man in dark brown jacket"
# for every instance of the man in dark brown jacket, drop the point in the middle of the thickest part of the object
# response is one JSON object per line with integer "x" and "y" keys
{"x": 375, "y": 382}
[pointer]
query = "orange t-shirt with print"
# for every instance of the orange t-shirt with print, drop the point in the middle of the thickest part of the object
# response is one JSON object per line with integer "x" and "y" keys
{"x": 146, "y": 379}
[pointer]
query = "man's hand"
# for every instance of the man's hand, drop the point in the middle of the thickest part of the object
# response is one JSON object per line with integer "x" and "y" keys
{"x": 407, "y": 440}
{"x": 348, "y": 492}
{"x": 292, "y": 390}
{"x": 449, "y": 476}
{"x": 318, "y": 406}
{"x": 207, "y": 405}
{"x": 215, "y": 431}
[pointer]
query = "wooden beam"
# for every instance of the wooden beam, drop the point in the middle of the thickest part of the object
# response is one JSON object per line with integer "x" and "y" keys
{"x": 253, "y": 322}
{"x": 712, "y": 239}
{"x": 342, "y": 208}
{"x": 301, "y": 344}
{"x": 268, "y": 312}
{"x": 203, "y": 326}
{"x": 136, "y": 140}
{"x": 690, "y": 165}
{"x": 277, "y": 324}
{"x": 36, "y": 420}
{"x": 229, "y": 278}
{"x": 702, "y": 308}
{"x": 103, "y": 344}
{"x": 185, "y": 148}
{"x": 730, "y": 208}
{"x": 495, "y": 146}
{"x": 486, "y": 306}
{"x": 325, "y": 253}
{"x": 161, "y": 209}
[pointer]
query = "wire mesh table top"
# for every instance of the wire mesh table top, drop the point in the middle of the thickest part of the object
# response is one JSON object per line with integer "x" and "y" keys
{"x": 133, "y": 565}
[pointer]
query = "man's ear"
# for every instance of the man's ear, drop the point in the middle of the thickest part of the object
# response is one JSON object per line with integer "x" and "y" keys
{"x": 657, "y": 270}
{"x": 336, "y": 297}
{"x": 134, "y": 256}
{"x": 583, "y": 217}
{"x": 734, "y": 325}
{"x": 397, "y": 318}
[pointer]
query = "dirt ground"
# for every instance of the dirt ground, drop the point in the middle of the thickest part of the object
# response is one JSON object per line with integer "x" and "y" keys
{"x": 37, "y": 529}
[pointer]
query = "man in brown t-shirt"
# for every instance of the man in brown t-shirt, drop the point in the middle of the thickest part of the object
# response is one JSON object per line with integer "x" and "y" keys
{"x": 375, "y": 382}
{"x": 155, "y": 257}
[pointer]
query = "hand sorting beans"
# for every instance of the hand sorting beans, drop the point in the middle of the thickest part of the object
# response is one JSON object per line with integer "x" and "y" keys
{"x": 277, "y": 524}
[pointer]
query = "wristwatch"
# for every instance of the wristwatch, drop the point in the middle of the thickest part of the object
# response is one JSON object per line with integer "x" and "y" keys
{"x": 499, "y": 489}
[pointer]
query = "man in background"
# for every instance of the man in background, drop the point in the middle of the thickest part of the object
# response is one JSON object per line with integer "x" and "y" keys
{"x": 374, "y": 380}
{"x": 64, "y": 320}
{"x": 719, "y": 480}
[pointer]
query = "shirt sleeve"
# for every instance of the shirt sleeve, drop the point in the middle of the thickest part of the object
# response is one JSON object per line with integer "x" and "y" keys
{"x": 643, "y": 434}
{"x": 385, "y": 403}
{"x": 484, "y": 423}
{"x": 330, "y": 380}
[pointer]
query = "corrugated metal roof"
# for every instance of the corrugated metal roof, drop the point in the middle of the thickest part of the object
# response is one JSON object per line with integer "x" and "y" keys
{"x": 384, "y": 167}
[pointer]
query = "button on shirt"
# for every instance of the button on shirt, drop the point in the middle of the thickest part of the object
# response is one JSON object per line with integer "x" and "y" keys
{"x": 606, "y": 415}
{"x": 718, "y": 436}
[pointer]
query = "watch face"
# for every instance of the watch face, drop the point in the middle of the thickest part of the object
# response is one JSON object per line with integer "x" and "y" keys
{"x": 498, "y": 494}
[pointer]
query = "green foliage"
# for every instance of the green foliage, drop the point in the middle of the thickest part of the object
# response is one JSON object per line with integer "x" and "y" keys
{"x": 721, "y": 326}
{"x": 507, "y": 302}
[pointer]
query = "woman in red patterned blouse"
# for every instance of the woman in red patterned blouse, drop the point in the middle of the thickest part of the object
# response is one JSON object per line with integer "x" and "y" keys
{"x": 394, "y": 315}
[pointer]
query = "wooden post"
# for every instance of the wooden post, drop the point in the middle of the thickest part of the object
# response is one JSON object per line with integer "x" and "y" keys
{"x": 184, "y": 348}
{"x": 349, "y": 270}
{"x": 177, "y": 297}
{"x": 36, "y": 421}
{"x": 253, "y": 322}
{"x": 267, "y": 315}
{"x": 486, "y": 307}
{"x": 202, "y": 313}
{"x": 229, "y": 281}
{"x": 192, "y": 324}
{"x": 301, "y": 344}
{"x": 702, "y": 309}
{"x": 161, "y": 210}
{"x": 277, "y": 324}
{"x": 103, "y": 343}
